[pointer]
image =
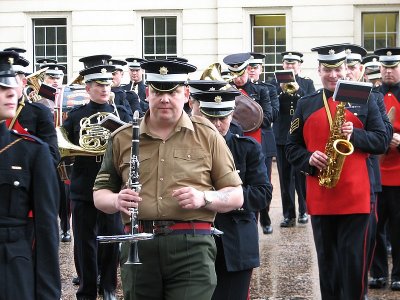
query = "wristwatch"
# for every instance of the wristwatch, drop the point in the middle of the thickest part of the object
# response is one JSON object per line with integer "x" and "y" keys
{"x": 207, "y": 198}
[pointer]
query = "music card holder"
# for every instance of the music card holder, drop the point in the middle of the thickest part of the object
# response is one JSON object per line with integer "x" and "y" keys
{"x": 352, "y": 91}
{"x": 285, "y": 76}
{"x": 112, "y": 122}
{"x": 47, "y": 91}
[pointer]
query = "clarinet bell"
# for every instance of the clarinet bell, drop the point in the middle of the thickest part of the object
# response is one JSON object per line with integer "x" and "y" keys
{"x": 133, "y": 257}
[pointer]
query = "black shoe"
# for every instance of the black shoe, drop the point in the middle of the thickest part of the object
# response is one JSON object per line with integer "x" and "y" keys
{"x": 377, "y": 283}
{"x": 76, "y": 280}
{"x": 109, "y": 295}
{"x": 303, "y": 219}
{"x": 395, "y": 286}
{"x": 267, "y": 229}
{"x": 65, "y": 237}
{"x": 288, "y": 222}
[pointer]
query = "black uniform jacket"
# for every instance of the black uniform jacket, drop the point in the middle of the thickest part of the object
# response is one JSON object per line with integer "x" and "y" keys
{"x": 240, "y": 238}
{"x": 376, "y": 174}
{"x": 28, "y": 181}
{"x": 287, "y": 106}
{"x": 85, "y": 168}
{"x": 268, "y": 134}
{"x": 121, "y": 99}
{"x": 38, "y": 120}
{"x": 141, "y": 93}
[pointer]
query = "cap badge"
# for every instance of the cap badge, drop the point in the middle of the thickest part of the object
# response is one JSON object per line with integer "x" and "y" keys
{"x": 348, "y": 51}
{"x": 389, "y": 53}
{"x": 11, "y": 60}
{"x": 331, "y": 52}
{"x": 163, "y": 71}
{"x": 236, "y": 66}
{"x": 218, "y": 99}
{"x": 290, "y": 53}
{"x": 212, "y": 89}
{"x": 56, "y": 68}
{"x": 374, "y": 59}
{"x": 103, "y": 71}
{"x": 135, "y": 61}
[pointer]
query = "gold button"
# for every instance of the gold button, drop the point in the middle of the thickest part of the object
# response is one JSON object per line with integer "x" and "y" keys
{"x": 162, "y": 159}
{"x": 159, "y": 198}
{"x": 188, "y": 155}
{"x": 161, "y": 179}
{"x": 16, "y": 183}
{"x": 163, "y": 142}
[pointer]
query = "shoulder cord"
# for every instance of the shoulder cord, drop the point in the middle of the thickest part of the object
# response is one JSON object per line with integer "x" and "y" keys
{"x": 10, "y": 145}
{"x": 328, "y": 111}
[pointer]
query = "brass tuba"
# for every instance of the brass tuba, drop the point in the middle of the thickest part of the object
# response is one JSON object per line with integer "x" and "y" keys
{"x": 34, "y": 81}
{"x": 337, "y": 149}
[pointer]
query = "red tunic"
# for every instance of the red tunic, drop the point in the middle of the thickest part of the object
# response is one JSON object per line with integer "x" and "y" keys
{"x": 351, "y": 195}
{"x": 390, "y": 163}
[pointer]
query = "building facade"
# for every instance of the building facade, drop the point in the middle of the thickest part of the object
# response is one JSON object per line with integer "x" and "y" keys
{"x": 201, "y": 31}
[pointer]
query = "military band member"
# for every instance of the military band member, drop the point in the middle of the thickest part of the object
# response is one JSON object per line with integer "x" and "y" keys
{"x": 355, "y": 71}
{"x": 388, "y": 204}
{"x": 339, "y": 214}
{"x": 372, "y": 70}
{"x": 28, "y": 181}
{"x": 87, "y": 221}
{"x": 255, "y": 69}
{"x": 187, "y": 174}
{"x": 237, "y": 247}
{"x": 131, "y": 102}
{"x": 291, "y": 181}
{"x": 33, "y": 118}
{"x": 137, "y": 81}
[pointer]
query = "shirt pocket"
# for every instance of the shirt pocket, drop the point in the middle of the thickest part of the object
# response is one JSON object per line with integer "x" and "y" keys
{"x": 14, "y": 189}
{"x": 189, "y": 163}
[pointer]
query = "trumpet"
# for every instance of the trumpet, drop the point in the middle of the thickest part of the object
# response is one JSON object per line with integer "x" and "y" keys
{"x": 289, "y": 88}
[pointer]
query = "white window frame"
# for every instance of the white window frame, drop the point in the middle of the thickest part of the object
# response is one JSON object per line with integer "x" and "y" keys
{"x": 154, "y": 14}
{"x": 30, "y": 41}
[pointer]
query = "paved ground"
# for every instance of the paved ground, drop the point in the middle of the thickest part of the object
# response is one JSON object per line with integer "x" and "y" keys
{"x": 288, "y": 271}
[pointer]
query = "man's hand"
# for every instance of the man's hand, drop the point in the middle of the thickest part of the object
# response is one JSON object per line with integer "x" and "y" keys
{"x": 319, "y": 160}
{"x": 126, "y": 199}
{"x": 189, "y": 198}
{"x": 395, "y": 142}
{"x": 347, "y": 129}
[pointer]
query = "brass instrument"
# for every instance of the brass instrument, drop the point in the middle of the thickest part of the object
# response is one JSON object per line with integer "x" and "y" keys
{"x": 133, "y": 183}
{"x": 337, "y": 149}
{"x": 34, "y": 81}
{"x": 248, "y": 113}
{"x": 289, "y": 88}
{"x": 79, "y": 80}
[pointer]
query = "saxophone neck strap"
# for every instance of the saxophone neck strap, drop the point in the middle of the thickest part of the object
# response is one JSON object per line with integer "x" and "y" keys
{"x": 21, "y": 105}
{"x": 328, "y": 111}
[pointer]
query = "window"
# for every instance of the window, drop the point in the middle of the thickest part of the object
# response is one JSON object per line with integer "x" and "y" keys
{"x": 380, "y": 30}
{"x": 159, "y": 37}
{"x": 50, "y": 40}
{"x": 269, "y": 38}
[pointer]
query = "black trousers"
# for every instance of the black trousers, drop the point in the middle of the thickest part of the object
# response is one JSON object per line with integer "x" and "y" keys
{"x": 87, "y": 224}
{"x": 388, "y": 220}
{"x": 291, "y": 181}
{"x": 265, "y": 220}
{"x": 340, "y": 241}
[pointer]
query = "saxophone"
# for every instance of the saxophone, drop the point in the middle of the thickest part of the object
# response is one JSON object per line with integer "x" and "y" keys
{"x": 337, "y": 149}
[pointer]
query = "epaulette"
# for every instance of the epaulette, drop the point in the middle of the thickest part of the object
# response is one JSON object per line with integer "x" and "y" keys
{"x": 76, "y": 107}
{"x": 202, "y": 121}
{"x": 27, "y": 137}
{"x": 127, "y": 125}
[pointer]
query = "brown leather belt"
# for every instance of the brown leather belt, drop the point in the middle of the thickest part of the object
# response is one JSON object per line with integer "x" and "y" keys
{"x": 172, "y": 227}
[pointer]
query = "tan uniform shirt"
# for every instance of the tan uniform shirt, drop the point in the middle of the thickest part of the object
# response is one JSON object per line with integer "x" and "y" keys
{"x": 195, "y": 155}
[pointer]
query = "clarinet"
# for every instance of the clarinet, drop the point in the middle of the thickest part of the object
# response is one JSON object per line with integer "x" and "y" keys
{"x": 133, "y": 183}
